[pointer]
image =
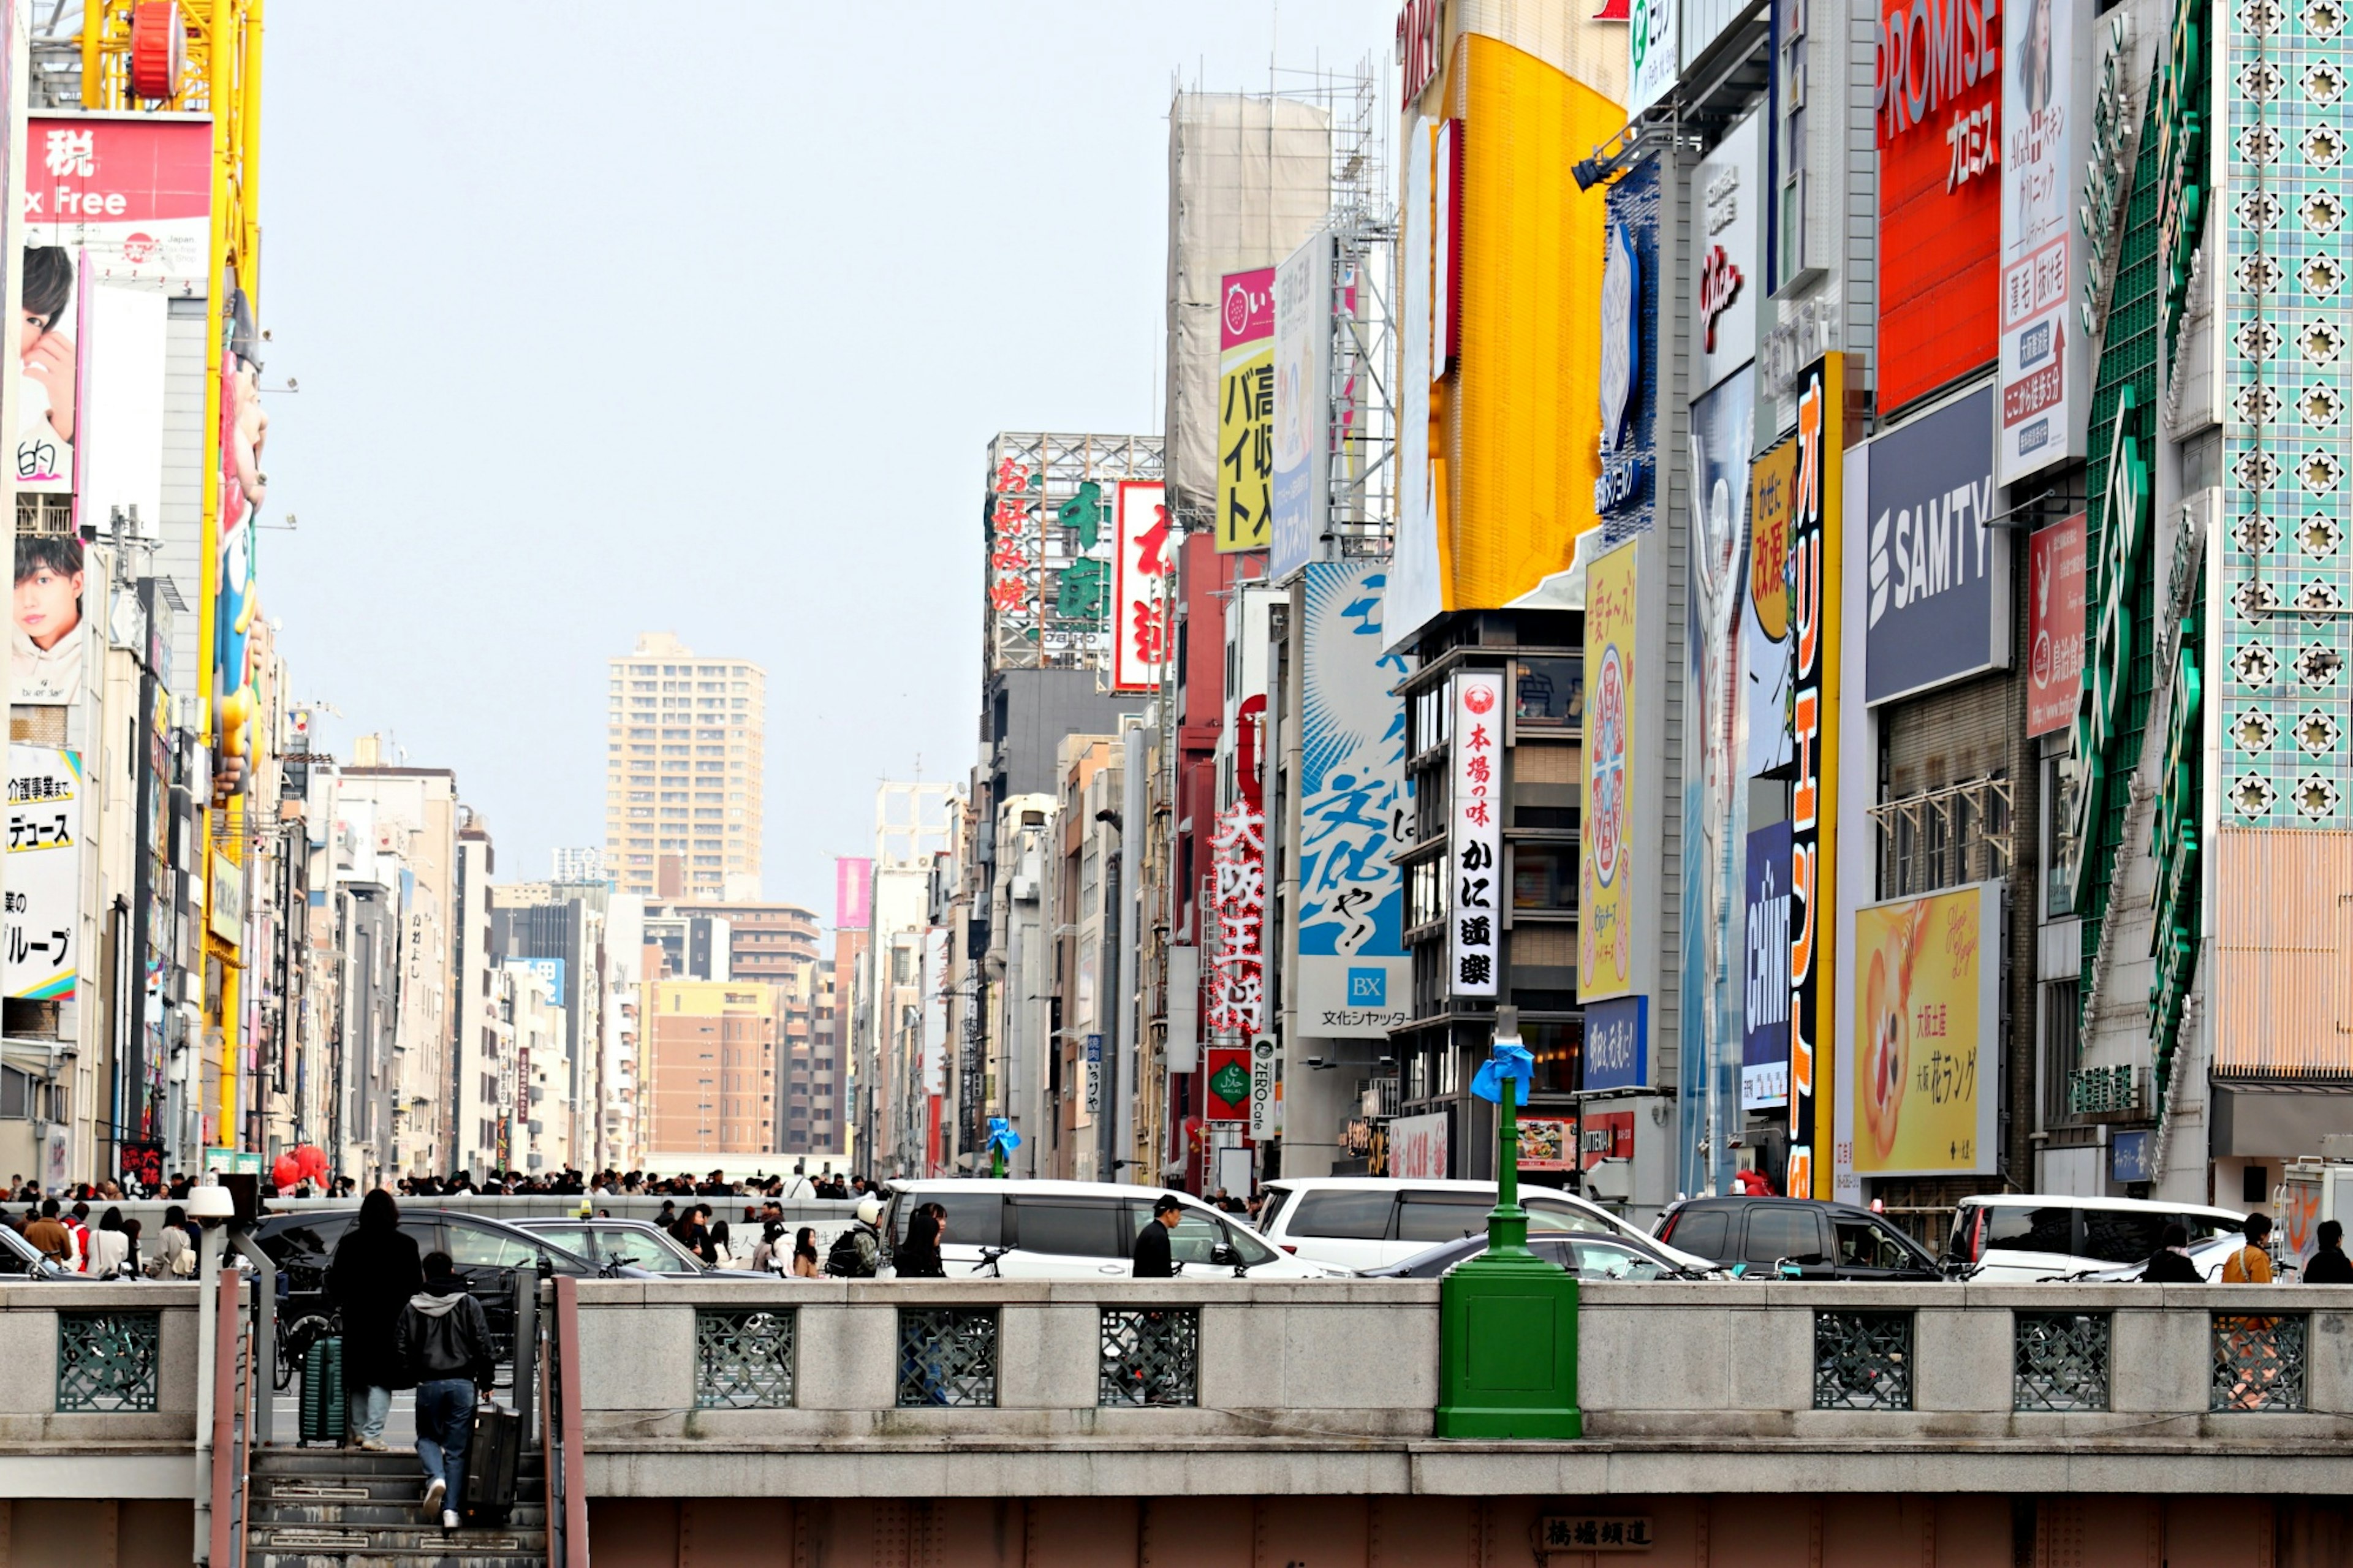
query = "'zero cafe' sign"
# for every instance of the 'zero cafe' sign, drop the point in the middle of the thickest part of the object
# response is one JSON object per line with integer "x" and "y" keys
{"x": 1930, "y": 54}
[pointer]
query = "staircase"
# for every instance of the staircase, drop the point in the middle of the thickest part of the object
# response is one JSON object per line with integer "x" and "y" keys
{"x": 342, "y": 1508}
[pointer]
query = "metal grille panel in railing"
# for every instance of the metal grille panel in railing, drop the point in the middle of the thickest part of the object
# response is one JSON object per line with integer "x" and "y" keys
{"x": 2060, "y": 1361}
{"x": 1150, "y": 1357}
{"x": 947, "y": 1355}
{"x": 2259, "y": 1362}
{"x": 1863, "y": 1361}
{"x": 108, "y": 1360}
{"x": 743, "y": 1360}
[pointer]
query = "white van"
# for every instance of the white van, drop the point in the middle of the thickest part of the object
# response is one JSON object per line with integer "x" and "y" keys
{"x": 2021, "y": 1237}
{"x": 1081, "y": 1230}
{"x": 1370, "y": 1222}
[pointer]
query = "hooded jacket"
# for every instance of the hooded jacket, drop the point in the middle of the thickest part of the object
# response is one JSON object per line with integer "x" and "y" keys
{"x": 444, "y": 1335}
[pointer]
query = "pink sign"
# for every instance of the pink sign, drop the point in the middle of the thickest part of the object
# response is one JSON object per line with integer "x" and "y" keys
{"x": 136, "y": 193}
{"x": 1246, "y": 309}
{"x": 853, "y": 893}
{"x": 2054, "y": 579}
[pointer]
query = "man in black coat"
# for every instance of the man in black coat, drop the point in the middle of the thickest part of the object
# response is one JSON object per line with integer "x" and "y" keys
{"x": 2328, "y": 1265}
{"x": 2170, "y": 1264}
{"x": 1152, "y": 1260}
{"x": 375, "y": 1272}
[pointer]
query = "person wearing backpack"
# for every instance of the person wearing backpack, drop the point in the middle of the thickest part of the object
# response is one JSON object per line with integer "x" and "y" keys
{"x": 443, "y": 1343}
{"x": 2251, "y": 1265}
{"x": 857, "y": 1252}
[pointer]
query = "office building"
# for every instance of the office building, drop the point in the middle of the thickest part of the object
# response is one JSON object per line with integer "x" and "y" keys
{"x": 682, "y": 771}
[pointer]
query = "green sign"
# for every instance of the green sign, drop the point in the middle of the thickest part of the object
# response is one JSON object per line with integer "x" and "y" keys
{"x": 2107, "y": 661}
{"x": 1230, "y": 1084}
{"x": 2182, "y": 96}
{"x": 2174, "y": 848}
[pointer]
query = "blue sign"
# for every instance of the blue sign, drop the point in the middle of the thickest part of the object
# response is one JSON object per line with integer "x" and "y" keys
{"x": 1368, "y": 987}
{"x": 1765, "y": 1030}
{"x": 1094, "y": 1047}
{"x": 2129, "y": 1157}
{"x": 1618, "y": 1043}
{"x": 548, "y": 969}
{"x": 1625, "y": 495}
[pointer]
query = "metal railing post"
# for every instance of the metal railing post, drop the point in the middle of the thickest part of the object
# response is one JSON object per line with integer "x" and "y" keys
{"x": 526, "y": 1344}
{"x": 264, "y": 1416}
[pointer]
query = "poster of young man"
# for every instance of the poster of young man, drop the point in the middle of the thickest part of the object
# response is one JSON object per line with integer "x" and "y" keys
{"x": 45, "y": 353}
{"x": 45, "y": 665}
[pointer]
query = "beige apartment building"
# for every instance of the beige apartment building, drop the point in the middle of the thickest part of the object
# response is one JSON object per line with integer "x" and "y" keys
{"x": 684, "y": 748}
{"x": 713, "y": 1050}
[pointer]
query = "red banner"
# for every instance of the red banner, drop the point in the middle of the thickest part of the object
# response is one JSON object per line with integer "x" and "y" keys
{"x": 2054, "y": 638}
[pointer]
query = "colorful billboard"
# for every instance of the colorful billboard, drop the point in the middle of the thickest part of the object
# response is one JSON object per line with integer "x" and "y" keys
{"x": 2045, "y": 382}
{"x": 47, "y": 650}
{"x": 1765, "y": 614}
{"x": 853, "y": 893}
{"x": 1727, "y": 257}
{"x": 133, "y": 192}
{"x": 43, "y": 873}
{"x": 1926, "y": 1073}
{"x": 1607, "y": 913}
{"x": 1939, "y": 193}
{"x": 1141, "y": 635}
{"x": 2055, "y": 558}
{"x": 1765, "y": 1018}
{"x": 1547, "y": 1143}
{"x": 1475, "y": 810}
{"x": 1939, "y": 598}
{"x": 50, "y": 385}
{"x": 1238, "y": 961}
{"x": 1246, "y": 410}
{"x": 1355, "y": 979}
{"x": 1302, "y": 401}
{"x": 1625, "y": 496}
{"x": 1817, "y": 576}
{"x": 1228, "y": 1082}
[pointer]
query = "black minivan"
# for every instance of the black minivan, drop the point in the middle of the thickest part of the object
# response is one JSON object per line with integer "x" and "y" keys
{"x": 1801, "y": 1238}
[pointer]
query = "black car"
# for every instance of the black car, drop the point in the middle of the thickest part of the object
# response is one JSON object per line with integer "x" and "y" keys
{"x": 1804, "y": 1238}
{"x": 1592, "y": 1258}
{"x": 488, "y": 1255}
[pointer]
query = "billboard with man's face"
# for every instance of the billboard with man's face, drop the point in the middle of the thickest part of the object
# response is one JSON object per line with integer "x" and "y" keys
{"x": 45, "y": 663}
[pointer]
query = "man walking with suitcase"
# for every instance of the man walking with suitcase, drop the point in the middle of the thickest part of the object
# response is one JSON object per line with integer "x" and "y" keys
{"x": 444, "y": 1340}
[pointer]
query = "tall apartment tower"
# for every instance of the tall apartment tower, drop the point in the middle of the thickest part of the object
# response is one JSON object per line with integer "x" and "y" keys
{"x": 683, "y": 743}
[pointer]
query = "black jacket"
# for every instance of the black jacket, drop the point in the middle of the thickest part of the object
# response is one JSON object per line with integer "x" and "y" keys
{"x": 1152, "y": 1259}
{"x": 919, "y": 1260}
{"x": 2167, "y": 1266}
{"x": 443, "y": 1334}
{"x": 370, "y": 1282}
{"x": 2328, "y": 1266}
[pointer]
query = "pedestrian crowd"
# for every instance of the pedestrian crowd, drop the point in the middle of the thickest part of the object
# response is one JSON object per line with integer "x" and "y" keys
{"x": 111, "y": 1247}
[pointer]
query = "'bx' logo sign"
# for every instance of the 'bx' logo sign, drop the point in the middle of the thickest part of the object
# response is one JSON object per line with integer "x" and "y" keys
{"x": 1368, "y": 987}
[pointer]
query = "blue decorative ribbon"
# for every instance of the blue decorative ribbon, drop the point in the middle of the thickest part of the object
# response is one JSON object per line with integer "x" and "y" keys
{"x": 1510, "y": 1061}
{"x": 1002, "y": 1139}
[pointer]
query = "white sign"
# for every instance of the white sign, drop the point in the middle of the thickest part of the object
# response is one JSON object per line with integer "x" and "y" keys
{"x": 1727, "y": 255}
{"x": 1418, "y": 1146}
{"x": 935, "y": 1010}
{"x": 43, "y": 877}
{"x": 2046, "y": 95}
{"x": 1141, "y": 634}
{"x": 1302, "y": 401}
{"x": 1650, "y": 46}
{"x": 1266, "y": 1099}
{"x": 1476, "y": 838}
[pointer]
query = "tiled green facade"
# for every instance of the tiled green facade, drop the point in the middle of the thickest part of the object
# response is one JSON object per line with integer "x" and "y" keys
{"x": 2285, "y": 348}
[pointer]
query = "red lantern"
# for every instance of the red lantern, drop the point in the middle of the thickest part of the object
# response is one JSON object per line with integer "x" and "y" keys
{"x": 284, "y": 1172}
{"x": 159, "y": 49}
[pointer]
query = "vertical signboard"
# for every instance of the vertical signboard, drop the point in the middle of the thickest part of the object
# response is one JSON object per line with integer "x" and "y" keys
{"x": 43, "y": 874}
{"x": 1015, "y": 540}
{"x": 1475, "y": 812}
{"x": 853, "y": 893}
{"x": 1939, "y": 191}
{"x": 1354, "y": 975}
{"x": 1246, "y": 410}
{"x": 935, "y": 1012}
{"x": 1765, "y": 1020}
{"x": 2046, "y": 94}
{"x": 1815, "y": 575}
{"x": 1418, "y": 1147}
{"x": 1764, "y": 616}
{"x": 1228, "y": 1083}
{"x": 1606, "y": 907}
{"x": 1726, "y": 270}
{"x": 1925, "y": 1079}
{"x": 1141, "y": 631}
{"x": 1939, "y": 583}
{"x": 1303, "y": 401}
{"x": 2055, "y": 558}
{"x": 1265, "y": 1090}
{"x": 1652, "y": 47}
{"x": 1238, "y": 963}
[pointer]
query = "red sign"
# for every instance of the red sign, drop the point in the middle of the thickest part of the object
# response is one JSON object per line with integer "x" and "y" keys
{"x": 1226, "y": 1070}
{"x": 1938, "y": 107}
{"x": 1609, "y": 1135}
{"x": 2054, "y": 584}
{"x": 1421, "y": 38}
{"x": 137, "y": 194}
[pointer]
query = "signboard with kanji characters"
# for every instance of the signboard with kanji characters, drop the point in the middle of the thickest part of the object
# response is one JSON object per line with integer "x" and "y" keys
{"x": 1237, "y": 958}
{"x": 1140, "y": 631}
{"x": 135, "y": 192}
{"x": 1475, "y": 810}
{"x": 43, "y": 877}
{"x": 1607, "y": 913}
{"x": 1593, "y": 1532}
{"x": 1246, "y": 410}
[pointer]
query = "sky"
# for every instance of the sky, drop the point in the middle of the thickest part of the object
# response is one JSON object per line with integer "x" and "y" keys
{"x": 604, "y": 320}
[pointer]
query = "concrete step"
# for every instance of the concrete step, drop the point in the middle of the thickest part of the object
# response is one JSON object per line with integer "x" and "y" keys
{"x": 293, "y": 1461}
{"x": 259, "y": 1559}
{"x": 370, "y": 1515}
{"x": 417, "y": 1542}
{"x": 312, "y": 1490}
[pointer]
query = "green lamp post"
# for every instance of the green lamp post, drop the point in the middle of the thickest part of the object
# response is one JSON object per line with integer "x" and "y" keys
{"x": 1507, "y": 1318}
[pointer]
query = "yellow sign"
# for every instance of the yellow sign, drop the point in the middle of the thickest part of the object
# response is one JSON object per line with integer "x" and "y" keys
{"x": 1606, "y": 906}
{"x": 1246, "y": 411}
{"x": 1925, "y": 1074}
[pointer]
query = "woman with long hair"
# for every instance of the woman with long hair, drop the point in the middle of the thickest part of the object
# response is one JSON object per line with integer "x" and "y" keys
{"x": 805, "y": 1260}
{"x": 376, "y": 1270}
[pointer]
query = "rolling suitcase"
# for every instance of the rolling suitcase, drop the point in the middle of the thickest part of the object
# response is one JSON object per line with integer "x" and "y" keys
{"x": 323, "y": 1390}
{"x": 487, "y": 1496}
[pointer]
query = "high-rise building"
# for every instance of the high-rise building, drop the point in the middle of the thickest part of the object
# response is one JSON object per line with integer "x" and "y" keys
{"x": 578, "y": 863}
{"x": 683, "y": 740}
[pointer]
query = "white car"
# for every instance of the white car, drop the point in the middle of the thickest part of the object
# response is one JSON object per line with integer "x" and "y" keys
{"x": 2021, "y": 1237}
{"x": 1370, "y": 1222}
{"x": 1081, "y": 1230}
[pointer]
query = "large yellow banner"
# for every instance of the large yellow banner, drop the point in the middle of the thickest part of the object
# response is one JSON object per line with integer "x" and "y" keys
{"x": 1246, "y": 411}
{"x": 1926, "y": 1077}
{"x": 1606, "y": 872}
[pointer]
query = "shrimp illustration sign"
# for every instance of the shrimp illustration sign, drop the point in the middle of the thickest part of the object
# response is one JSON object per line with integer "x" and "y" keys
{"x": 1928, "y": 1004}
{"x": 1353, "y": 811}
{"x": 1477, "y": 840}
{"x": 1605, "y": 959}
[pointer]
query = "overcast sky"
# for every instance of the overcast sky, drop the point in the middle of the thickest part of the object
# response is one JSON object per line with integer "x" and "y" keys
{"x": 615, "y": 318}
